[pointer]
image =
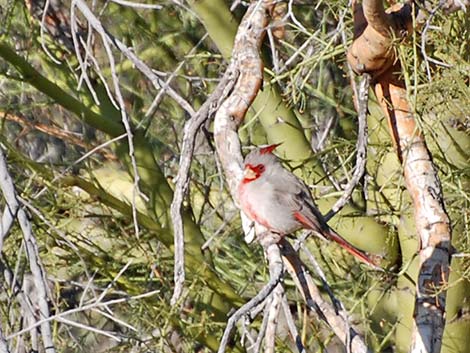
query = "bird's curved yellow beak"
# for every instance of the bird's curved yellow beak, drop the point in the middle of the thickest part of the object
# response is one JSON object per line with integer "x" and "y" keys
{"x": 249, "y": 173}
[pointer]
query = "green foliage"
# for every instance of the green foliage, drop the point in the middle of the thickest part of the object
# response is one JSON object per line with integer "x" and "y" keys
{"x": 82, "y": 211}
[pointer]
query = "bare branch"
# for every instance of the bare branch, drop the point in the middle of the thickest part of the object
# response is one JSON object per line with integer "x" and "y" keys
{"x": 291, "y": 324}
{"x": 361, "y": 148}
{"x": 129, "y": 54}
{"x": 276, "y": 270}
{"x": 182, "y": 179}
{"x": 3, "y": 343}
{"x": 273, "y": 313}
{"x": 337, "y": 319}
{"x": 9, "y": 192}
{"x": 138, "y": 5}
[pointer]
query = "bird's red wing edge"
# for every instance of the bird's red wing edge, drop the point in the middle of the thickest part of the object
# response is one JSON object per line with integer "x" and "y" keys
{"x": 332, "y": 235}
{"x": 352, "y": 249}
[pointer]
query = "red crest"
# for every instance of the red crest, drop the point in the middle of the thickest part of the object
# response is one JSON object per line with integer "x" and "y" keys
{"x": 269, "y": 149}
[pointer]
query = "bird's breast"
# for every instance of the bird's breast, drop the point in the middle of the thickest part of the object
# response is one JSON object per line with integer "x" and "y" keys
{"x": 261, "y": 204}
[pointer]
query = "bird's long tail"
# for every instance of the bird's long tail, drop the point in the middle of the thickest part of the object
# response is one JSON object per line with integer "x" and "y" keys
{"x": 322, "y": 228}
{"x": 359, "y": 254}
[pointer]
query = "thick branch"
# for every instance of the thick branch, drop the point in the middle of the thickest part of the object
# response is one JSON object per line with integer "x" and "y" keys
{"x": 422, "y": 182}
{"x": 247, "y": 62}
{"x": 374, "y": 34}
{"x": 376, "y": 17}
{"x": 431, "y": 219}
{"x": 336, "y": 318}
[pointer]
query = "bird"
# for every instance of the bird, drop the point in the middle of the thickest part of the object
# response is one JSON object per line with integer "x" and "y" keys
{"x": 274, "y": 197}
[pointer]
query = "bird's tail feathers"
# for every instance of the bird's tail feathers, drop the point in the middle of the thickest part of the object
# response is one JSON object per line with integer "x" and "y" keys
{"x": 359, "y": 254}
{"x": 321, "y": 229}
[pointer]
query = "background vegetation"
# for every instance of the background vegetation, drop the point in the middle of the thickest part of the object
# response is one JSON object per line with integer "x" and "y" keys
{"x": 80, "y": 197}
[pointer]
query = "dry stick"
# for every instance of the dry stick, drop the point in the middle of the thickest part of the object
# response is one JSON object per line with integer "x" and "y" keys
{"x": 8, "y": 218}
{"x": 35, "y": 264}
{"x": 96, "y": 304}
{"x": 137, "y": 5}
{"x": 9, "y": 213}
{"x": 291, "y": 324}
{"x": 42, "y": 30}
{"x": 182, "y": 179}
{"x": 262, "y": 331}
{"x": 337, "y": 320}
{"x": 276, "y": 270}
{"x": 273, "y": 314}
{"x": 3, "y": 343}
{"x": 361, "y": 148}
{"x": 117, "y": 91}
{"x": 9, "y": 192}
{"x": 22, "y": 296}
{"x": 129, "y": 54}
{"x": 83, "y": 64}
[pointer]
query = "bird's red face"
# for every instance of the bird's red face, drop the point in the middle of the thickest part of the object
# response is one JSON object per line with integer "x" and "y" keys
{"x": 257, "y": 161}
{"x": 252, "y": 172}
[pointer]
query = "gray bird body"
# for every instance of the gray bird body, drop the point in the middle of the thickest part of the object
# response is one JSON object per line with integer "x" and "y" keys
{"x": 273, "y": 203}
{"x": 275, "y": 198}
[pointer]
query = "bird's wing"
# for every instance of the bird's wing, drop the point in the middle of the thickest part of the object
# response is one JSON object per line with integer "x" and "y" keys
{"x": 294, "y": 194}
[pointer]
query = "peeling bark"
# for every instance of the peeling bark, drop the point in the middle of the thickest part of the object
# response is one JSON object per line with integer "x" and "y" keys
{"x": 247, "y": 69}
{"x": 431, "y": 220}
{"x": 372, "y": 52}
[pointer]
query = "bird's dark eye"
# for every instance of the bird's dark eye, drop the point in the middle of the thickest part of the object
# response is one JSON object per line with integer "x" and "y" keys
{"x": 260, "y": 168}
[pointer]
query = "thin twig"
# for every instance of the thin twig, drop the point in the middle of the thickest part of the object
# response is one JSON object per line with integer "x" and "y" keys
{"x": 262, "y": 330}
{"x": 182, "y": 179}
{"x": 137, "y": 5}
{"x": 276, "y": 277}
{"x": 129, "y": 54}
{"x": 273, "y": 314}
{"x": 426, "y": 58}
{"x": 3, "y": 343}
{"x": 88, "y": 328}
{"x": 96, "y": 24}
{"x": 94, "y": 305}
{"x": 153, "y": 107}
{"x": 79, "y": 160}
{"x": 9, "y": 192}
{"x": 78, "y": 54}
{"x": 291, "y": 324}
{"x": 361, "y": 147}
{"x": 42, "y": 30}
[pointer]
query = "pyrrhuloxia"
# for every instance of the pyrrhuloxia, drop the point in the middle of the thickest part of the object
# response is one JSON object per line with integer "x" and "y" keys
{"x": 275, "y": 198}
